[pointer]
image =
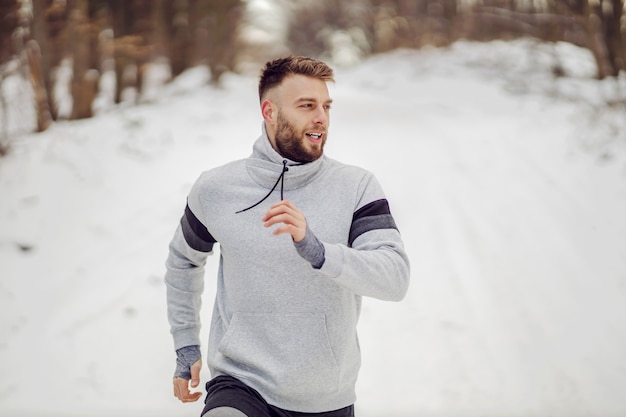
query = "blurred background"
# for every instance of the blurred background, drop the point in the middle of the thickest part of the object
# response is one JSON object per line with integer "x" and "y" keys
{"x": 67, "y": 51}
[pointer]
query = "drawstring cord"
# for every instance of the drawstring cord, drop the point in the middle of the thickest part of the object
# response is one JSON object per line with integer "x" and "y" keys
{"x": 280, "y": 179}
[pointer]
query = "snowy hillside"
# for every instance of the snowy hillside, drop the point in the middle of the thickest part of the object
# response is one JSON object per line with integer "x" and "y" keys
{"x": 508, "y": 185}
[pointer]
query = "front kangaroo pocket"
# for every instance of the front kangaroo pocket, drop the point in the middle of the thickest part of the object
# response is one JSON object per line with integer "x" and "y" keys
{"x": 290, "y": 352}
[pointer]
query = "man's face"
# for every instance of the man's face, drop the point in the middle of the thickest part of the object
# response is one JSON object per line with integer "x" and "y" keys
{"x": 299, "y": 125}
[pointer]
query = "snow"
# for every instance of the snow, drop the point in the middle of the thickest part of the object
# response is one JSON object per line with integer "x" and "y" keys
{"x": 508, "y": 185}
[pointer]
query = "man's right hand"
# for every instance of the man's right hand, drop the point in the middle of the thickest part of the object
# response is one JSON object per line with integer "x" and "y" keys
{"x": 181, "y": 385}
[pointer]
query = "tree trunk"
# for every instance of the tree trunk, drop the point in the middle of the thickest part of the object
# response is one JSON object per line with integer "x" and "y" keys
{"x": 50, "y": 31}
{"x": 596, "y": 32}
{"x": 44, "y": 118}
{"x": 144, "y": 14}
{"x": 10, "y": 22}
{"x": 223, "y": 20}
{"x": 220, "y": 21}
{"x": 9, "y": 14}
{"x": 121, "y": 12}
{"x": 614, "y": 37}
{"x": 85, "y": 79}
{"x": 179, "y": 39}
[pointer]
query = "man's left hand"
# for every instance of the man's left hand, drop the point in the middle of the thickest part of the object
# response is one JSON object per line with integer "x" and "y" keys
{"x": 292, "y": 219}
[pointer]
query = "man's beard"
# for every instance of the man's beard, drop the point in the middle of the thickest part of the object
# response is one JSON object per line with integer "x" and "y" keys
{"x": 290, "y": 143}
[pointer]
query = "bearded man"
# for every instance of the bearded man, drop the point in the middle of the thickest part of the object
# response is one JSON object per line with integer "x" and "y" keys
{"x": 302, "y": 239}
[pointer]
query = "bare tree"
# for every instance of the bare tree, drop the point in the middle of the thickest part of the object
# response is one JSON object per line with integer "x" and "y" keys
{"x": 133, "y": 23}
{"x": 9, "y": 10}
{"x": 216, "y": 33}
{"x": 10, "y": 21}
{"x": 49, "y": 32}
{"x": 605, "y": 37}
{"x": 312, "y": 24}
{"x": 84, "y": 76}
{"x": 44, "y": 117}
{"x": 177, "y": 29}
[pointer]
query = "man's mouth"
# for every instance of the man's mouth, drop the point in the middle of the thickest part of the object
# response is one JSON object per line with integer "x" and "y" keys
{"x": 315, "y": 135}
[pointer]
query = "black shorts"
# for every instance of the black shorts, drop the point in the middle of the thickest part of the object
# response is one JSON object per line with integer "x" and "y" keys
{"x": 226, "y": 391}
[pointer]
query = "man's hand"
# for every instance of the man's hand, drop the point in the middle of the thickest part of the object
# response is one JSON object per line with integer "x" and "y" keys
{"x": 181, "y": 385}
{"x": 292, "y": 219}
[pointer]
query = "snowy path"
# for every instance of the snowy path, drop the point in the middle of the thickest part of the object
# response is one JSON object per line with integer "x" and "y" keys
{"x": 517, "y": 241}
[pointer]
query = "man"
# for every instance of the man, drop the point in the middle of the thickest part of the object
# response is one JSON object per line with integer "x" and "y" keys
{"x": 302, "y": 238}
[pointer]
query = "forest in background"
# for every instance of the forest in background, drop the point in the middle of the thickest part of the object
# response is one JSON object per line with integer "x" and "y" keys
{"x": 124, "y": 37}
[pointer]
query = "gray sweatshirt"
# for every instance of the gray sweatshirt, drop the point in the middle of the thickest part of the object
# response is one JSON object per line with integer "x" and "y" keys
{"x": 281, "y": 325}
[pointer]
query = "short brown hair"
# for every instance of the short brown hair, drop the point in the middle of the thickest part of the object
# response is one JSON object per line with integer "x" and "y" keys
{"x": 275, "y": 71}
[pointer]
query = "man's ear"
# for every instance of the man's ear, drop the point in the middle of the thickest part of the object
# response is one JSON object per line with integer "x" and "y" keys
{"x": 267, "y": 110}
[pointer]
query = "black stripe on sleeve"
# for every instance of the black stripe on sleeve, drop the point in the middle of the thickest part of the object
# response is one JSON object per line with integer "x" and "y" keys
{"x": 196, "y": 234}
{"x": 372, "y": 216}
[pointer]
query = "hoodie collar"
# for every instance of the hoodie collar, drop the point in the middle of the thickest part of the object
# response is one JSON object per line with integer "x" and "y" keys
{"x": 265, "y": 166}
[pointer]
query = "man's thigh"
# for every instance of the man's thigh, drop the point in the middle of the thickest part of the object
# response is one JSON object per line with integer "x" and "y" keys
{"x": 224, "y": 412}
{"x": 227, "y": 396}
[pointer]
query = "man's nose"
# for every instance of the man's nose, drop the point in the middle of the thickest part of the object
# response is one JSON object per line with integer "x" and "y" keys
{"x": 321, "y": 115}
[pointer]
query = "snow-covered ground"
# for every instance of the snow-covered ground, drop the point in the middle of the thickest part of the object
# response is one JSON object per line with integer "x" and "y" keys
{"x": 508, "y": 185}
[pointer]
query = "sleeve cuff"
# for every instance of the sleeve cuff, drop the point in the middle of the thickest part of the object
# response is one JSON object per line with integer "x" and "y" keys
{"x": 311, "y": 249}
